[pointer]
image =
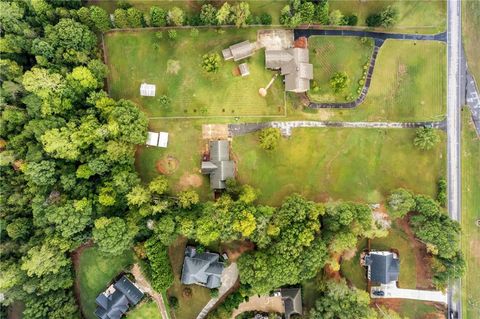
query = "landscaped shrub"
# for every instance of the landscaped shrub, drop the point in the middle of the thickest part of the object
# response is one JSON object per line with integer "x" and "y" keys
{"x": 265, "y": 19}
{"x": 339, "y": 81}
{"x": 173, "y": 301}
{"x": 158, "y": 17}
{"x": 386, "y": 18}
{"x": 175, "y": 16}
{"x": 350, "y": 20}
{"x": 208, "y": 14}
{"x": 425, "y": 138}
{"x": 214, "y": 293}
{"x": 335, "y": 17}
{"x": 172, "y": 34}
{"x": 269, "y": 138}
{"x": 442, "y": 191}
{"x": 161, "y": 269}
{"x": 211, "y": 62}
{"x": 164, "y": 100}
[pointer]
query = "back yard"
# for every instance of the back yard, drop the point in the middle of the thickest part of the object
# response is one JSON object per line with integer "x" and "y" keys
{"x": 183, "y": 88}
{"x": 348, "y": 164}
{"x": 470, "y": 215}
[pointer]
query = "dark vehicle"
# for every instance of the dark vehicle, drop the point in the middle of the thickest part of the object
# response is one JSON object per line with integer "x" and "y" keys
{"x": 379, "y": 293}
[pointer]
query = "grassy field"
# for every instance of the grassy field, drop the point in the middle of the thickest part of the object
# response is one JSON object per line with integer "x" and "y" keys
{"x": 147, "y": 310}
{"x": 396, "y": 239}
{"x": 408, "y": 84}
{"x": 188, "y": 307}
{"x": 96, "y": 272}
{"x": 348, "y": 164}
{"x": 470, "y": 214}
{"x": 330, "y": 55}
{"x": 471, "y": 34}
{"x": 175, "y": 68}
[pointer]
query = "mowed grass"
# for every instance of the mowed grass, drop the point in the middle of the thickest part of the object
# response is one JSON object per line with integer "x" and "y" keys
{"x": 348, "y": 164}
{"x": 425, "y": 16}
{"x": 396, "y": 239}
{"x": 185, "y": 147}
{"x": 146, "y": 310}
{"x": 188, "y": 307}
{"x": 470, "y": 214}
{"x": 175, "y": 68}
{"x": 330, "y": 55}
{"x": 96, "y": 272}
{"x": 471, "y": 34}
{"x": 408, "y": 84}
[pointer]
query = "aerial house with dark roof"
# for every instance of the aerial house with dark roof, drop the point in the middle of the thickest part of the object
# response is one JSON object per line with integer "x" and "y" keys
{"x": 114, "y": 302}
{"x": 382, "y": 266}
{"x": 202, "y": 269}
{"x": 238, "y": 51}
{"x": 219, "y": 167}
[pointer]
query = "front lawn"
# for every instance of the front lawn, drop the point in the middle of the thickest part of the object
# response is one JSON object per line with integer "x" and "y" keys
{"x": 96, "y": 271}
{"x": 470, "y": 215}
{"x": 349, "y": 164}
{"x": 146, "y": 310}
{"x": 330, "y": 55}
{"x": 174, "y": 66}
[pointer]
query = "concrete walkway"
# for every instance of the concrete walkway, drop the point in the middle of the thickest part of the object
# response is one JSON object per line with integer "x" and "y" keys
{"x": 287, "y": 126}
{"x": 229, "y": 278}
{"x": 143, "y": 283}
{"x": 425, "y": 295}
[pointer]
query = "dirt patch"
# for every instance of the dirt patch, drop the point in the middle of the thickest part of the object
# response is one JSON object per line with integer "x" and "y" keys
{"x": 422, "y": 259}
{"x": 190, "y": 180}
{"x": 475, "y": 248}
{"x": 214, "y": 131}
{"x": 173, "y": 66}
{"x": 349, "y": 254}
{"x": 236, "y": 71}
{"x": 262, "y": 304}
{"x": 76, "y": 266}
{"x": 402, "y": 69}
{"x": 167, "y": 165}
{"x": 334, "y": 273}
{"x": 236, "y": 248}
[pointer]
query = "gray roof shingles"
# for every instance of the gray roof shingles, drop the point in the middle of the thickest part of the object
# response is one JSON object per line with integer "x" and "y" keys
{"x": 202, "y": 269}
{"x": 383, "y": 268}
{"x": 220, "y": 167}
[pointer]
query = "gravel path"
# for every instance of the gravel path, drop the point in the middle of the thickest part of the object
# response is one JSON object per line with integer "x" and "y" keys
{"x": 143, "y": 283}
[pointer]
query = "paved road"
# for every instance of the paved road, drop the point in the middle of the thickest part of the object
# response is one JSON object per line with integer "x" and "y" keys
{"x": 454, "y": 71}
{"x": 287, "y": 126}
{"x": 377, "y": 35}
{"x": 414, "y": 294}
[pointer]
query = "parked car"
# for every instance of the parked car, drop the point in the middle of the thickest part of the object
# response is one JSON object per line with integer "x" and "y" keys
{"x": 380, "y": 293}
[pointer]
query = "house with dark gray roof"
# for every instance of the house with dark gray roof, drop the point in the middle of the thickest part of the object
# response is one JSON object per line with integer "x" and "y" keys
{"x": 238, "y": 51}
{"x": 203, "y": 269}
{"x": 114, "y": 302}
{"x": 382, "y": 266}
{"x": 293, "y": 63}
{"x": 219, "y": 167}
{"x": 292, "y": 301}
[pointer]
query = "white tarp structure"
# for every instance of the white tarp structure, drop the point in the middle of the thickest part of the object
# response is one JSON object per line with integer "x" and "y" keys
{"x": 147, "y": 89}
{"x": 157, "y": 139}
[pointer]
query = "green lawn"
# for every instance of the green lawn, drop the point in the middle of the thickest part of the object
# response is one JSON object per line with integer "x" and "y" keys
{"x": 175, "y": 68}
{"x": 470, "y": 214}
{"x": 146, "y": 310}
{"x": 348, "y": 164}
{"x": 408, "y": 84}
{"x": 425, "y": 16}
{"x": 415, "y": 309}
{"x": 330, "y": 55}
{"x": 471, "y": 33}
{"x": 96, "y": 272}
{"x": 188, "y": 307}
{"x": 396, "y": 239}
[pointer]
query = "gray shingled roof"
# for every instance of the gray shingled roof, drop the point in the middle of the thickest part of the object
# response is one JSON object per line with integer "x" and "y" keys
{"x": 384, "y": 268}
{"x": 202, "y": 269}
{"x": 220, "y": 167}
{"x": 292, "y": 300}
{"x": 238, "y": 51}
{"x": 115, "y": 305}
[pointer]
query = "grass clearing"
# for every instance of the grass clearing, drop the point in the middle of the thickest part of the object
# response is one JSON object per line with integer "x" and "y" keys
{"x": 471, "y": 33}
{"x": 96, "y": 272}
{"x": 174, "y": 66}
{"x": 470, "y": 214}
{"x": 188, "y": 307}
{"x": 145, "y": 310}
{"x": 349, "y": 164}
{"x": 330, "y": 55}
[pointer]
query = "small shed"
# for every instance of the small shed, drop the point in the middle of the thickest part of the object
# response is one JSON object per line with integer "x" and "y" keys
{"x": 163, "y": 139}
{"x": 147, "y": 89}
{"x": 152, "y": 138}
{"x": 238, "y": 51}
{"x": 243, "y": 68}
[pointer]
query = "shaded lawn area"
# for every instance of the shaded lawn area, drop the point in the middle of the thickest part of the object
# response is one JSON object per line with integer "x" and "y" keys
{"x": 96, "y": 272}
{"x": 425, "y": 16}
{"x": 145, "y": 310}
{"x": 348, "y": 164}
{"x": 175, "y": 68}
{"x": 470, "y": 214}
{"x": 471, "y": 33}
{"x": 408, "y": 84}
{"x": 188, "y": 307}
{"x": 330, "y": 55}
{"x": 413, "y": 309}
{"x": 184, "y": 150}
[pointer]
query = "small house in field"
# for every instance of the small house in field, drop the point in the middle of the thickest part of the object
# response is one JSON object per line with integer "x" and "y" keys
{"x": 202, "y": 269}
{"x": 157, "y": 139}
{"x": 114, "y": 302}
{"x": 238, "y": 51}
{"x": 244, "y": 70}
{"x": 382, "y": 266}
{"x": 147, "y": 89}
{"x": 219, "y": 167}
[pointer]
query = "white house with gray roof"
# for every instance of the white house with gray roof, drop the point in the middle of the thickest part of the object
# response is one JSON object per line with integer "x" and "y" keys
{"x": 202, "y": 269}
{"x": 219, "y": 167}
{"x": 294, "y": 64}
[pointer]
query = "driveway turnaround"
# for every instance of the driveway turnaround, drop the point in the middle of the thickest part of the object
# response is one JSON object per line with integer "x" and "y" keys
{"x": 391, "y": 291}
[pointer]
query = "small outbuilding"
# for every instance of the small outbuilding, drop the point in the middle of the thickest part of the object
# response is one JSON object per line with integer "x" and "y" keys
{"x": 157, "y": 139}
{"x": 147, "y": 89}
{"x": 238, "y": 51}
{"x": 219, "y": 167}
{"x": 243, "y": 68}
